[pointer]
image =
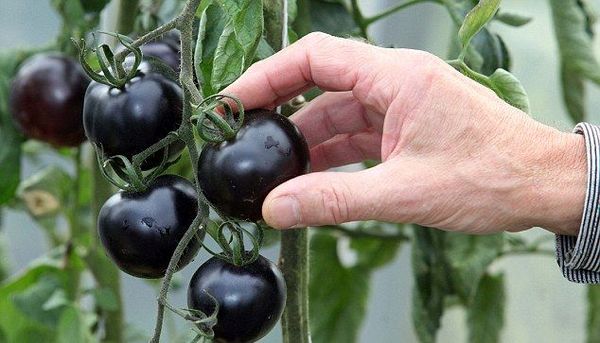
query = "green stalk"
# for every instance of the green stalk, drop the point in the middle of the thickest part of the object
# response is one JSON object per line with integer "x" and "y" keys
{"x": 294, "y": 264}
{"x": 359, "y": 18}
{"x": 106, "y": 274}
{"x": 76, "y": 235}
{"x": 294, "y": 253}
{"x": 128, "y": 10}
{"x": 273, "y": 22}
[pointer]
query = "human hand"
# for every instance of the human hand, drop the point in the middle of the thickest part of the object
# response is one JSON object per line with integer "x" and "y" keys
{"x": 454, "y": 155}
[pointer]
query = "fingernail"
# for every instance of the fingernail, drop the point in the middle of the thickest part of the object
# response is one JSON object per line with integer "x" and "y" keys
{"x": 284, "y": 212}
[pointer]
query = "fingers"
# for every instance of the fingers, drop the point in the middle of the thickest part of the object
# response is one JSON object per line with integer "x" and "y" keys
{"x": 346, "y": 149}
{"x": 318, "y": 59}
{"x": 333, "y": 197}
{"x": 335, "y": 113}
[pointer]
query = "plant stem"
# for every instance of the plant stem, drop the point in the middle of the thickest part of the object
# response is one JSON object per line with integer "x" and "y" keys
{"x": 76, "y": 232}
{"x": 184, "y": 22}
{"x": 294, "y": 263}
{"x": 273, "y": 22}
{"x": 104, "y": 272}
{"x": 370, "y": 20}
{"x": 127, "y": 12}
{"x": 359, "y": 19}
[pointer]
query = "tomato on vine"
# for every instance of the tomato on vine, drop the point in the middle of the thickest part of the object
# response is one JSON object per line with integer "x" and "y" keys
{"x": 250, "y": 298}
{"x": 46, "y": 99}
{"x": 127, "y": 120}
{"x": 140, "y": 231}
{"x": 237, "y": 174}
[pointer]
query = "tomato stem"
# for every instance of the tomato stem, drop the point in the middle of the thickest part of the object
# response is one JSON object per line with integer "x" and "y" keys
{"x": 294, "y": 264}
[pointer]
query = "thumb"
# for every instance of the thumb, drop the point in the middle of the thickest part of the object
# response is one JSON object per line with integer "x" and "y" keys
{"x": 329, "y": 198}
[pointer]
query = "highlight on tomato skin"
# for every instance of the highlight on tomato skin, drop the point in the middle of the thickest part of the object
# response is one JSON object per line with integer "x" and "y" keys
{"x": 237, "y": 174}
{"x": 251, "y": 298}
{"x": 140, "y": 231}
{"x": 46, "y": 99}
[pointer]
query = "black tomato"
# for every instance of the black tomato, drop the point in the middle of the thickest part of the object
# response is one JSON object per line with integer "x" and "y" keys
{"x": 140, "y": 231}
{"x": 167, "y": 50}
{"x": 46, "y": 99}
{"x": 237, "y": 175}
{"x": 126, "y": 121}
{"x": 251, "y": 298}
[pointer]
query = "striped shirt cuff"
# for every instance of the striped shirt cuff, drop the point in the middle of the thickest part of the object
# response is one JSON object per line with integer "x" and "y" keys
{"x": 579, "y": 257}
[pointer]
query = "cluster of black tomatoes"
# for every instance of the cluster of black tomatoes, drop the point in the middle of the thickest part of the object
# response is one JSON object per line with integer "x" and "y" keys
{"x": 53, "y": 100}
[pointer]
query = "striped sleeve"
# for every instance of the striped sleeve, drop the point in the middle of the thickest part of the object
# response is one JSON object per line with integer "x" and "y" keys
{"x": 579, "y": 257}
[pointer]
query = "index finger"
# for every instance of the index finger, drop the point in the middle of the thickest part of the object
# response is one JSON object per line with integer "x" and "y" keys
{"x": 318, "y": 59}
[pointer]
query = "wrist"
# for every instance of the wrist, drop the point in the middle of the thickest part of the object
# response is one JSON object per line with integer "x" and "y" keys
{"x": 558, "y": 182}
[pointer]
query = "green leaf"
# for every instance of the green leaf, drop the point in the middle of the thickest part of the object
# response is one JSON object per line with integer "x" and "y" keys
{"x": 73, "y": 327}
{"x": 106, "y": 299}
{"x": 574, "y": 41}
{"x": 336, "y": 313}
{"x": 513, "y": 19}
{"x": 57, "y": 300}
{"x": 14, "y": 321}
{"x": 485, "y": 315}
{"x": 573, "y": 91}
{"x": 72, "y": 11}
{"x": 94, "y": 6}
{"x": 229, "y": 36}
{"x": 510, "y": 89}
{"x": 476, "y": 19}
{"x": 491, "y": 50}
{"x": 10, "y": 138}
{"x": 432, "y": 282}
{"x": 447, "y": 266}
{"x": 211, "y": 25}
{"x": 47, "y": 191}
{"x": 332, "y": 18}
{"x": 31, "y": 301}
{"x": 593, "y": 314}
{"x": 469, "y": 257}
{"x": 229, "y": 61}
{"x": 264, "y": 50}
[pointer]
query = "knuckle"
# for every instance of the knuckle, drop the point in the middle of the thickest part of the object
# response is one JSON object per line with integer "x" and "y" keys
{"x": 315, "y": 38}
{"x": 335, "y": 204}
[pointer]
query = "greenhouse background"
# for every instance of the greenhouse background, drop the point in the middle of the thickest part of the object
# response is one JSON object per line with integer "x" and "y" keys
{"x": 541, "y": 305}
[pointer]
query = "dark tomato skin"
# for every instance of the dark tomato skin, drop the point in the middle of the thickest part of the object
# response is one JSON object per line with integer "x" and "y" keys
{"x": 166, "y": 50}
{"x": 140, "y": 231}
{"x": 251, "y": 298}
{"x": 129, "y": 120}
{"x": 46, "y": 99}
{"x": 237, "y": 175}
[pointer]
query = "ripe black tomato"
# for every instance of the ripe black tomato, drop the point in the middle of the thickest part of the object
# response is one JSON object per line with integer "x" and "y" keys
{"x": 251, "y": 298}
{"x": 140, "y": 231}
{"x": 46, "y": 99}
{"x": 126, "y": 121}
{"x": 237, "y": 175}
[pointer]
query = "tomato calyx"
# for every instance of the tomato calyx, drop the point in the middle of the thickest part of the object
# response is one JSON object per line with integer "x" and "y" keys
{"x": 129, "y": 175}
{"x": 203, "y": 322}
{"x": 229, "y": 235}
{"x": 216, "y": 120}
{"x": 113, "y": 72}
